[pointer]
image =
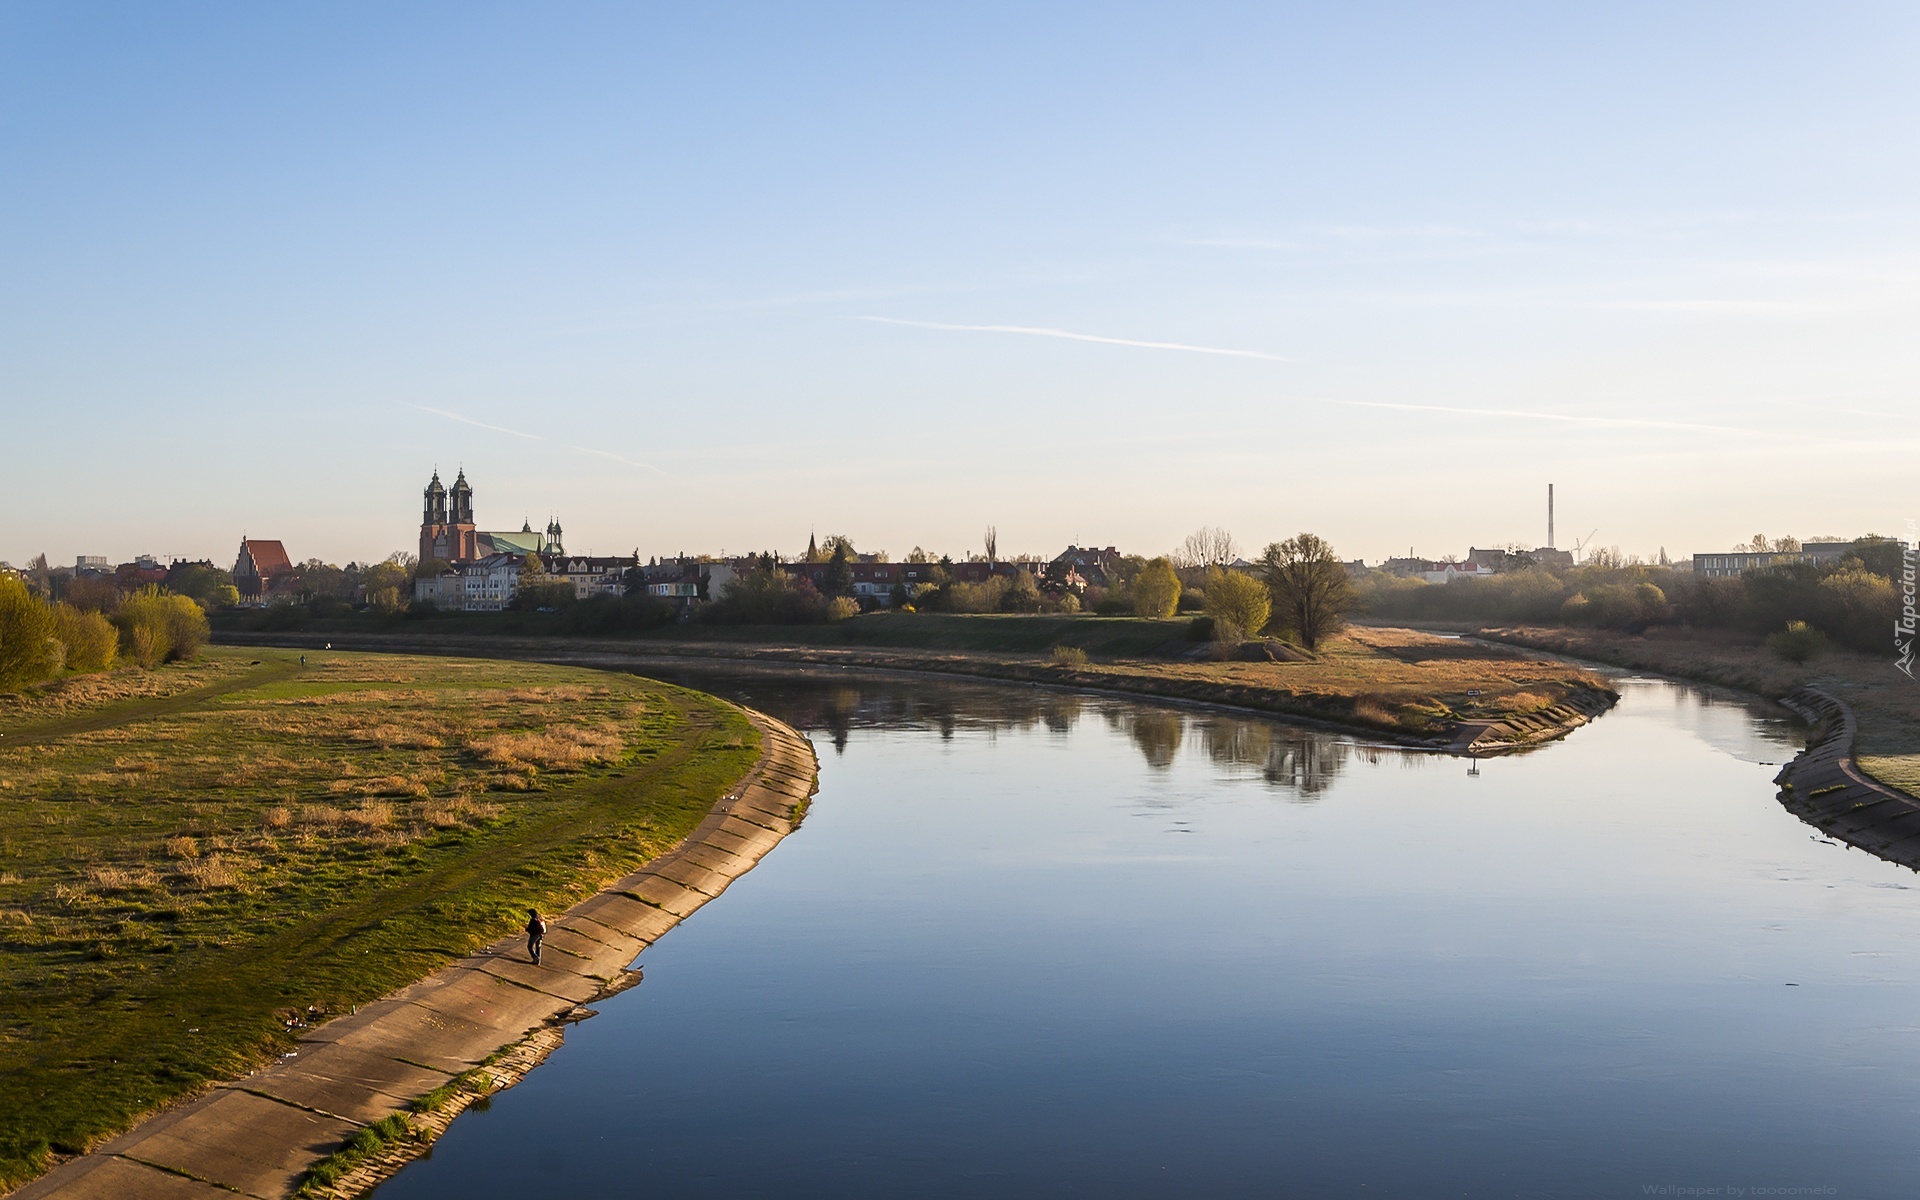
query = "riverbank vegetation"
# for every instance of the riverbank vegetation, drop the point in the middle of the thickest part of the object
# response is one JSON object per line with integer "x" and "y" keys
{"x": 1849, "y": 602}
{"x": 202, "y": 858}
{"x": 42, "y": 640}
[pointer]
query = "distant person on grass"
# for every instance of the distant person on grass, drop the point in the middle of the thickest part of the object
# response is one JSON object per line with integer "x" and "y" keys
{"x": 536, "y": 930}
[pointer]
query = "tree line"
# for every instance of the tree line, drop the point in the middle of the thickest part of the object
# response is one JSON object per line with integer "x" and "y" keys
{"x": 1849, "y": 601}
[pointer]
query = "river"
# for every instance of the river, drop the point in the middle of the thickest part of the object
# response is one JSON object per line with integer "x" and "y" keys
{"x": 1030, "y": 943}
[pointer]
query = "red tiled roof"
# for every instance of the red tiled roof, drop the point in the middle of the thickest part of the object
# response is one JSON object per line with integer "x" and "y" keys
{"x": 269, "y": 558}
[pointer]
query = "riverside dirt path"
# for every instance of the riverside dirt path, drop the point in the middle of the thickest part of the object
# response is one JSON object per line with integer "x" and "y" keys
{"x": 493, "y": 1010}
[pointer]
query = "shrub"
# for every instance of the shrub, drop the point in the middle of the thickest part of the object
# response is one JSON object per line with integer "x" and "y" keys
{"x": 1856, "y": 608}
{"x": 157, "y": 627}
{"x": 1022, "y": 594}
{"x": 28, "y": 652}
{"x": 610, "y": 614}
{"x": 1200, "y": 629}
{"x": 1156, "y": 591}
{"x": 1238, "y": 600}
{"x": 766, "y": 596}
{"x": 1798, "y": 642}
{"x": 841, "y": 607}
{"x": 982, "y": 597}
{"x": 1067, "y": 656}
{"x": 90, "y": 638}
{"x": 283, "y": 615}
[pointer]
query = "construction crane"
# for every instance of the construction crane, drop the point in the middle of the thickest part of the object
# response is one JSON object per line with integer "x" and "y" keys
{"x": 1580, "y": 544}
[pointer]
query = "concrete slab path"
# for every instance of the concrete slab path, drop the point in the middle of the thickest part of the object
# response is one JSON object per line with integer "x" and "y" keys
{"x": 258, "y": 1135}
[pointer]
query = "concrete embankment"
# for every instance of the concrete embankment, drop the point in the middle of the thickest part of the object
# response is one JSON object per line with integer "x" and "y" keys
{"x": 493, "y": 1011}
{"x": 1825, "y": 789}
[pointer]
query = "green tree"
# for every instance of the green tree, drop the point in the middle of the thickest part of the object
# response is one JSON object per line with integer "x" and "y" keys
{"x": 198, "y": 581}
{"x": 28, "y": 652}
{"x": 1237, "y": 600}
{"x": 1022, "y": 594}
{"x": 319, "y": 579}
{"x": 1156, "y": 590}
{"x": 386, "y": 587}
{"x": 1311, "y": 591}
{"x": 839, "y": 578}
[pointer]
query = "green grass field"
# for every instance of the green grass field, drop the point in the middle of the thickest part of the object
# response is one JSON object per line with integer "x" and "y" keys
{"x": 195, "y": 860}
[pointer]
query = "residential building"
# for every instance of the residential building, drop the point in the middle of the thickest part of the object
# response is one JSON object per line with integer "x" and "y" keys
{"x": 1734, "y": 562}
{"x": 871, "y": 580}
{"x": 91, "y": 564}
{"x": 1094, "y": 567}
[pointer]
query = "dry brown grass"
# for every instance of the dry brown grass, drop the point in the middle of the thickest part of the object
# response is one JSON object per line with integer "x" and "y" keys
{"x": 121, "y": 879}
{"x": 567, "y": 748}
{"x": 212, "y": 874}
{"x": 183, "y": 847}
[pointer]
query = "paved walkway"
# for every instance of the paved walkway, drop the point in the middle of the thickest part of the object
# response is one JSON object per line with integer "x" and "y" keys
{"x": 256, "y": 1136}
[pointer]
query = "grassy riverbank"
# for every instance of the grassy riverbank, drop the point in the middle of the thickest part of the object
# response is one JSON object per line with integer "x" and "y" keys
{"x": 1885, "y": 702}
{"x": 196, "y": 861}
{"x": 1410, "y": 686}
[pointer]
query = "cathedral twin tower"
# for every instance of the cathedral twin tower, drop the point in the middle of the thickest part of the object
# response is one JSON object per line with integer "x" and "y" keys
{"x": 447, "y": 532}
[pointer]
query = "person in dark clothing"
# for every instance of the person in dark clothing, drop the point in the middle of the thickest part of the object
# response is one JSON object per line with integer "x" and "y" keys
{"x": 536, "y": 930}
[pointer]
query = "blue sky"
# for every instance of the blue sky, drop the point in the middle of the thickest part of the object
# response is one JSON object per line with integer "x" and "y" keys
{"x": 708, "y": 277}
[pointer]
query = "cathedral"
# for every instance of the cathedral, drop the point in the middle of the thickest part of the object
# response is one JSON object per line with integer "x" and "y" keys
{"x": 447, "y": 532}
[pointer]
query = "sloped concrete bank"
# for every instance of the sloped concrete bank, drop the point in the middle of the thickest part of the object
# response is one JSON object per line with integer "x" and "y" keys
{"x": 493, "y": 1012}
{"x": 1823, "y": 787}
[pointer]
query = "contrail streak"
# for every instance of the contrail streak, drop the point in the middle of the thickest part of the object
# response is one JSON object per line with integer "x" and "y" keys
{"x": 615, "y": 457}
{"x": 1614, "y": 422}
{"x": 533, "y": 437}
{"x": 454, "y": 416}
{"x": 1041, "y": 331}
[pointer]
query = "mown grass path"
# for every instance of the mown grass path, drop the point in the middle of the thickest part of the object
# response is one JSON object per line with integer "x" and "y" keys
{"x": 128, "y": 712}
{"x": 188, "y": 882}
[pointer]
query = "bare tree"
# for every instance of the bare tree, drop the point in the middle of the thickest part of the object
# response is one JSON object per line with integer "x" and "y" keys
{"x": 993, "y": 544}
{"x": 1210, "y": 546}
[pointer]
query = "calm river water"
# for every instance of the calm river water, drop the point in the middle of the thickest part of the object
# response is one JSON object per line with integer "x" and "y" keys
{"x": 1035, "y": 944}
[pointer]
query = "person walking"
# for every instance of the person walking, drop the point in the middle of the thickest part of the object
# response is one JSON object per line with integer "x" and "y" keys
{"x": 536, "y": 930}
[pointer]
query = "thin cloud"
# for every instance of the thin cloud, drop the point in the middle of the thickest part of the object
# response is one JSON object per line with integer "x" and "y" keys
{"x": 1040, "y": 331}
{"x": 454, "y": 416}
{"x": 1605, "y": 422}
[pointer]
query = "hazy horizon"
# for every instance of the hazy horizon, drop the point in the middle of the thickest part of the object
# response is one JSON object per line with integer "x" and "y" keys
{"x": 713, "y": 279}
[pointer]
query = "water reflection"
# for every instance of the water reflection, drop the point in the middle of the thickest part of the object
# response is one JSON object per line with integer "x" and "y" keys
{"x": 1302, "y": 761}
{"x": 983, "y": 967}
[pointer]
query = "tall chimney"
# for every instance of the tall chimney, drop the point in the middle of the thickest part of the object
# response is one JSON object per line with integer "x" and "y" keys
{"x": 1549, "y": 516}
